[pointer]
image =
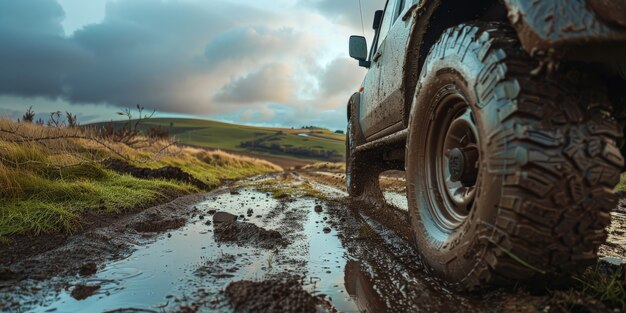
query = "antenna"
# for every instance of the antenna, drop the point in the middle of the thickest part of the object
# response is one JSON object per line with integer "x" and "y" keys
{"x": 361, "y": 11}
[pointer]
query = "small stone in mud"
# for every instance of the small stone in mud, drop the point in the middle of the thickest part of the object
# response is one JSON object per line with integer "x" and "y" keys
{"x": 326, "y": 230}
{"x": 207, "y": 223}
{"x": 88, "y": 269}
{"x": 270, "y": 296}
{"x": 241, "y": 216}
{"x": 82, "y": 292}
{"x": 247, "y": 233}
{"x": 250, "y": 212}
{"x": 211, "y": 212}
{"x": 234, "y": 193}
{"x": 318, "y": 208}
{"x": 201, "y": 217}
{"x": 222, "y": 217}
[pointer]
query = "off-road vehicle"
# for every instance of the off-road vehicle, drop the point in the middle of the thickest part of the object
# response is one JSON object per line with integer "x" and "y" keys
{"x": 508, "y": 120}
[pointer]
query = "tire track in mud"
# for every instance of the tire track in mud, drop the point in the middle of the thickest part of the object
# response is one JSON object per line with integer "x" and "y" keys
{"x": 312, "y": 248}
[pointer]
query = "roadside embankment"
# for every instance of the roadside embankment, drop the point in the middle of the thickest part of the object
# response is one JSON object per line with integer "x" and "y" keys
{"x": 58, "y": 180}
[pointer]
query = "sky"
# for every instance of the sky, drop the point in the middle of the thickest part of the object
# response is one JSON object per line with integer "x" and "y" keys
{"x": 263, "y": 62}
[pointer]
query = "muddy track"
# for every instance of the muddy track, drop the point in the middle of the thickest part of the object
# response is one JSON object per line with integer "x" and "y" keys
{"x": 239, "y": 249}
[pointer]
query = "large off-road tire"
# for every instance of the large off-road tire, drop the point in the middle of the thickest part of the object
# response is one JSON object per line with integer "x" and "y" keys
{"x": 509, "y": 175}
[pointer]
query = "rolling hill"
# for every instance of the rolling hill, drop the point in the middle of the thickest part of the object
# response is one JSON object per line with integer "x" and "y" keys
{"x": 279, "y": 145}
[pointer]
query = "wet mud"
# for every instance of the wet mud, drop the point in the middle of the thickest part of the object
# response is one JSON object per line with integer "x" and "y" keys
{"x": 239, "y": 249}
{"x": 243, "y": 233}
{"x": 168, "y": 172}
{"x": 272, "y": 296}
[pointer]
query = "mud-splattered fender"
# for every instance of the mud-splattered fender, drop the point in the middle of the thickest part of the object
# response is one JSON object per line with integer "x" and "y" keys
{"x": 565, "y": 29}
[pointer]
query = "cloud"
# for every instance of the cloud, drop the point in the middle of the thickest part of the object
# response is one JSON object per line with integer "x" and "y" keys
{"x": 257, "y": 43}
{"x": 340, "y": 77}
{"x": 347, "y": 12}
{"x": 144, "y": 51}
{"x": 32, "y": 16}
{"x": 34, "y": 55}
{"x": 151, "y": 52}
{"x": 271, "y": 83}
{"x": 219, "y": 58}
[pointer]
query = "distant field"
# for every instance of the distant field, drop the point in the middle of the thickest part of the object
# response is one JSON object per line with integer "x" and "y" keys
{"x": 292, "y": 144}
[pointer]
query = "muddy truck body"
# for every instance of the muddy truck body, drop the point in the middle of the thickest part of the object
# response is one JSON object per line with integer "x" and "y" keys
{"x": 508, "y": 120}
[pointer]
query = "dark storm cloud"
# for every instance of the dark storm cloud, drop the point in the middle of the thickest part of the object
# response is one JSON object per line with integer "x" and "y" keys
{"x": 34, "y": 54}
{"x": 32, "y": 16}
{"x": 144, "y": 51}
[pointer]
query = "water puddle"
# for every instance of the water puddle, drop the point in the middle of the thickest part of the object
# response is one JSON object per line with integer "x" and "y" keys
{"x": 180, "y": 265}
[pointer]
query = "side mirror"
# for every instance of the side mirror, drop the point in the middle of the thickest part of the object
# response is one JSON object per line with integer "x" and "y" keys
{"x": 358, "y": 50}
{"x": 378, "y": 17}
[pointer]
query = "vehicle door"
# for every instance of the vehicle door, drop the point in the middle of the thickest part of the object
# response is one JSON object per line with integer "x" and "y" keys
{"x": 369, "y": 90}
{"x": 384, "y": 113}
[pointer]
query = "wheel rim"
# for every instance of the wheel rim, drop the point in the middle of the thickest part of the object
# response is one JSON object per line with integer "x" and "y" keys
{"x": 452, "y": 162}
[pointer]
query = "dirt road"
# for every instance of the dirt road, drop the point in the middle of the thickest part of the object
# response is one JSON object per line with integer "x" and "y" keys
{"x": 297, "y": 245}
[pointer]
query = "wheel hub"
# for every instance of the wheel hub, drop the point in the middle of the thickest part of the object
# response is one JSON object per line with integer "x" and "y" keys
{"x": 462, "y": 165}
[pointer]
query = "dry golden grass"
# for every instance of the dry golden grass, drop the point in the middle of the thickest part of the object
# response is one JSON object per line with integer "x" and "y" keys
{"x": 221, "y": 158}
{"x": 330, "y": 166}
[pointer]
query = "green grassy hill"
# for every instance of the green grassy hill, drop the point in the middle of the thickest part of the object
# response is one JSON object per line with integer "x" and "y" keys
{"x": 294, "y": 144}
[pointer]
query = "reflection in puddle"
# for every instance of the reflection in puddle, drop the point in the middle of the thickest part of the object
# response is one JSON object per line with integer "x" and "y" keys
{"x": 325, "y": 265}
{"x": 361, "y": 289}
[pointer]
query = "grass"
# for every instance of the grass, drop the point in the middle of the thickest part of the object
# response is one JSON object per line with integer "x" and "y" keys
{"x": 596, "y": 283}
{"x": 213, "y": 166}
{"x": 606, "y": 287}
{"x": 212, "y": 134}
{"x": 287, "y": 187}
{"x": 603, "y": 283}
{"x": 327, "y": 166}
{"x": 49, "y": 186}
{"x": 520, "y": 260}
